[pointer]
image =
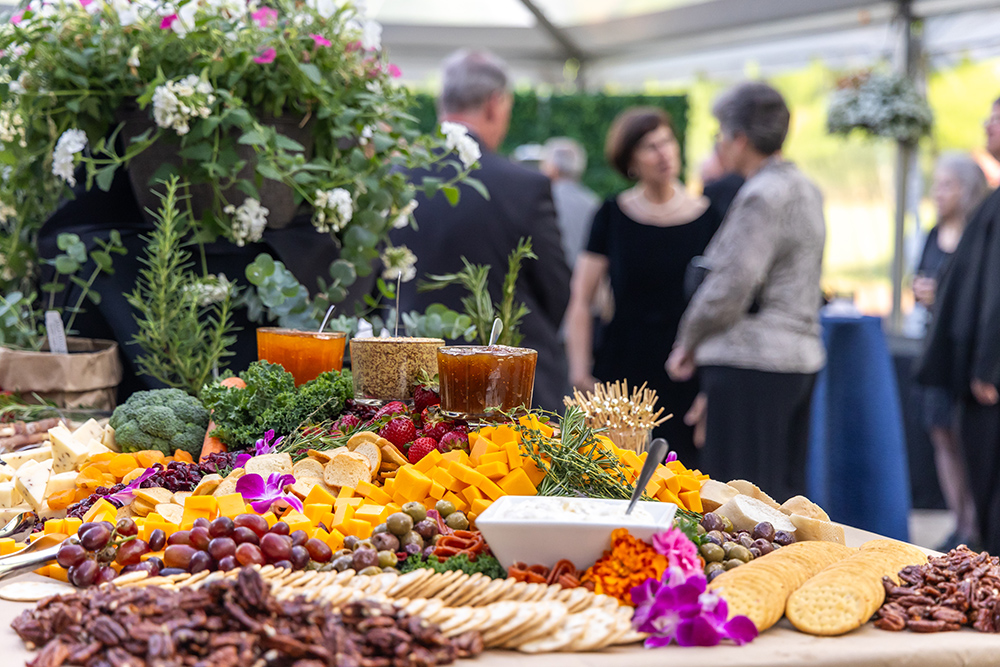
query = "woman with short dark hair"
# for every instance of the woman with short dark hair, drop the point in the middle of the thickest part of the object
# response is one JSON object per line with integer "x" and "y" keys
{"x": 643, "y": 239}
{"x": 758, "y": 364}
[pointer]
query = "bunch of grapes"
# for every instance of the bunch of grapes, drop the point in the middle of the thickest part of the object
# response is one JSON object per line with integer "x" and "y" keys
{"x": 222, "y": 544}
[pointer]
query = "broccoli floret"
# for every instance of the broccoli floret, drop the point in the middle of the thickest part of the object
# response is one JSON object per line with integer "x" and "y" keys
{"x": 162, "y": 419}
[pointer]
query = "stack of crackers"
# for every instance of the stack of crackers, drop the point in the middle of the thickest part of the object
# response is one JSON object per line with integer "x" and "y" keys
{"x": 168, "y": 504}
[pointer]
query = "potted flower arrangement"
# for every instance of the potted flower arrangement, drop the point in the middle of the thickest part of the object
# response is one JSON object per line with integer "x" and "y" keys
{"x": 881, "y": 104}
{"x": 260, "y": 109}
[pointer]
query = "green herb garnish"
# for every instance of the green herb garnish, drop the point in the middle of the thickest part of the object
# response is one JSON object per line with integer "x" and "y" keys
{"x": 486, "y": 565}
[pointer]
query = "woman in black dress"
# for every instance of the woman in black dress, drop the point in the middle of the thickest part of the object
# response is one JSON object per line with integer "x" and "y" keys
{"x": 643, "y": 239}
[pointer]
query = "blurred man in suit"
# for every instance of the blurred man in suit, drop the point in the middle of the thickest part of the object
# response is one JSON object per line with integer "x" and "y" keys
{"x": 475, "y": 94}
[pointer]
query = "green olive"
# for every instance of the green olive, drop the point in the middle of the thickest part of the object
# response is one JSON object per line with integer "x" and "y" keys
{"x": 727, "y": 525}
{"x": 700, "y": 529}
{"x": 416, "y": 511}
{"x": 712, "y": 567}
{"x": 728, "y": 547}
{"x": 381, "y": 528}
{"x": 365, "y": 544}
{"x": 740, "y": 552}
{"x": 391, "y": 569}
{"x": 444, "y": 507}
{"x": 731, "y": 563}
{"x": 371, "y": 571}
{"x": 343, "y": 563}
{"x": 387, "y": 559}
{"x": 399, "y": 523}
{"x": 457, "y": 521}
{"x": 712, "y": 553}
{"x": 343, "y": 552}
{"x": 412, "y": 537}
{"x": 351, "y": 542}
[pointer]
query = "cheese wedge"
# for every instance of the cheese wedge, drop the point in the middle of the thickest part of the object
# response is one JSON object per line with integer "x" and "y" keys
{"x": 67, "y": 450}
{"x": 95, "y": 447}
{"x": 746, "y": 512}
{"x": 715, "y": 494}
{"x": 807, "y": 528}
{"x": 31, "y": 480}
{"x": 21, "y": 456}
{"x": 108, "y": 438}
{"x": 62, "y": 481}
{"x": 90, "y": 429}
{"x": 9, "y": 495}
{"x": 6, "y": 473}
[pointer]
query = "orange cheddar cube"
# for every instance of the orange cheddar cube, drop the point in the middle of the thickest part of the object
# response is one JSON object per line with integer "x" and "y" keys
{"x": 389, "y": 486}
{"x": 459, "y": 503}
{"x": 437, "y": 491}
{"x": 7, "y": 546}
{"x": 373, "y": 514}
{"x": 320, "y": 496}
{"x": 345, "y": 492}
{"x": 517, "y": 483}
{"x": 297, "y": 521}
{"x": 463, "y": 473}
{"x": 360, "y": 529}
{"x": 271, "y": 519}
{"x": 504, "y": 434}
{"x": 53, "y": 526}
{"x": 479, "y": 506}
{"x": 486, "y": 431}
{"x": 411, "y": 484}
{"x": 534, "y": 473}
{"x": 342, "y": 515}
{"x": 373, "y": 493}
{"x": 667, "y": 496}
{"x": 336, "y": 539}
{"x": 71, "y": 525}
{"x": 494, "y": 457}
{"x": 472, "y": 494}
{"x": 691, "y": 500}
{"x": 513, "y": 451}
{"x": 479, "y": 448}
{"x": 689, "y": 483}
{"x": 670, "y": 479}
{"x": 99, "y": 510}
{"x": 677, "y": 467}
{"x": 316, "y": 511}
{"x": 202, "y": 503}
{"x": 393, "y": 508}
{"x": 430, "y": 461}
{"x": 442, "y": 477}
{"x": 491, "y": 490}
{"x": 631, "y": 459}
{"x": 654, "y": 486}
{"x": 231, "y": 505}
{"x": 57, "y": 571}
{"x": 493, "y": 470}
{"x": 457, "y": 456}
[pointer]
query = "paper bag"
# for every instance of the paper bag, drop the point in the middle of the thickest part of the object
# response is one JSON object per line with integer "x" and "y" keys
{"x": 87, "y": 377}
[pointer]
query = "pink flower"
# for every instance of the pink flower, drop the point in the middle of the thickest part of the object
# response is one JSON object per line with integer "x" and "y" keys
{"x": 167, "y": 22}
{"x": 353, "y": 46}
{"x": 266, "y": 57}
{"x": 17, "y": 18}
{"x": 394, "y": 71}
{"x": 85, "y": 2}
{"x": 320, "y": 40}
{"x": 265, "y": 16}
{"x": 679, "y": 550}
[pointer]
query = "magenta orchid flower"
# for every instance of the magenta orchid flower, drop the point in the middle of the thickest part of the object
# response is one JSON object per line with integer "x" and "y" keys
{"x": 265, "y": 445}
{"x": 168, "y": 21}
{"x": 127, "y": 495}
{"x": 262, "y": 494}
{"x": 677, "y": 608}
{"x": 266, "y": 56}
{"x": 17, "y": 18}
{"x": 265, "y": 17}
{"x": 394, "y": 71}
{"x": 671, "y": 456}
{"x": 679, "y": 549}
{"x": 320, "y": 40}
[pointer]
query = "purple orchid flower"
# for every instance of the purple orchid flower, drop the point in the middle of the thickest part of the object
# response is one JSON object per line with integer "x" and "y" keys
{"x": 261, "y": 447}
{"x": 262, "y": 494}
{"x": 127, "y": 495}
{"x": 678, "y": 608}
{"x": 671, "y": 456}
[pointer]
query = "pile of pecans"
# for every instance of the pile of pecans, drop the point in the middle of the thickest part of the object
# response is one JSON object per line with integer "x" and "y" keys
{"x": 961, "y": 587}
{"x": 228, "y": 623}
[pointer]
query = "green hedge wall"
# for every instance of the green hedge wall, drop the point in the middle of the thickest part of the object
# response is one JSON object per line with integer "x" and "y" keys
{"x": 584, "y": 117}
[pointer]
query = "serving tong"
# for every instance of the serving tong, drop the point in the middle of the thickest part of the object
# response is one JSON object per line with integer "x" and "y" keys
{"x": 38, "y": 553}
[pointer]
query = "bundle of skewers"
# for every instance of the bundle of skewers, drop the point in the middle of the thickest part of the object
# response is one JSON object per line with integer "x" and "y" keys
{"x": 629, "y": 417}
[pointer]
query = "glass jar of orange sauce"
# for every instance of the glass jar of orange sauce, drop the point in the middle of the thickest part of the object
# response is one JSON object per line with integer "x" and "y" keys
{"x": 475, "y": 379}
{"x": 304, "y": 354}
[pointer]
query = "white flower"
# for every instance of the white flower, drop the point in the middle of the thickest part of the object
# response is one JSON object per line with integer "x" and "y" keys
{"x": 325, "y": 8}
{"x": 211, "y": 289}
{"x": 403, "y": 217}
{"x": 456, "y": 138}
{"x": 185, "y": 18}
{"x": 367, "y": 132}
{"x": 399, "y": 262}
{"x": 175, "y": 103}
{"x": 334, "y": 209}
{"x": 12, "y": 127}
{"x": 128, "y": 12}
{"x": 17, "y": 87}
{"x": 371, "y": 35}
{"x": 70, "y": 143}
{"x": 133, "y": 56}
{"x": 249, "y": 221}
{"x": 468, "y": 151}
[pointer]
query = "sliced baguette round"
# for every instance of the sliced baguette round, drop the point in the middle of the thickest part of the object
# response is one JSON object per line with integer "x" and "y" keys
{"x": 347, "y": 469}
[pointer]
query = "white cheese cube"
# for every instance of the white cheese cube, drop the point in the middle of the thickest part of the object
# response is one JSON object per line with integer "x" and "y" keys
{"x": 6, "y": 473}
{"x": 108, "y": 438}
{"x": 31, "y": 480}
{"x": 62, "y": 481}
{"x": 90, "y": 429}
{"x": 67, "y": 451}
{"x": 18, "y": 458}
{"x": 94, "y": 447}
{"x": 746, "y": 512}
{"x": 9, "y": 496}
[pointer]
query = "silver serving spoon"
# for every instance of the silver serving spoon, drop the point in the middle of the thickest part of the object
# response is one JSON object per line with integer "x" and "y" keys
{"x": 22, "y": 523}
{"x": 497, "y": 330}
{"x": 38, "y": 553}
{"x": 655, "y": 453}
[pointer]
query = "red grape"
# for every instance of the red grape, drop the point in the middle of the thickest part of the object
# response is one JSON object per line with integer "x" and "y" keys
{"x": 285, "y": 564}
{"x": 300, "y": 557}
{"x": 126, "y": 527}
{"x": 200, "y": 561}
{"x": 180, "y": 537}
{"x": 318, "y": 550}
{"x": 178, "y": 555}
{"x": 83, "y": 574}
{"x": 154, "y": 563}
{"x": 299, "y": 538}
{"x": 254, "y": 522}
{"x": 70, "y": 554}
{"x": 249, "y": 554}
{"x": 276, "y": 547}
{"x": 157, "y": 540}
{"x": 280, "y": 528}
{"x": 201, "y": 522}
{"x": 85, "y": 527}
{"x": 228, "y": 563}
{"x": 96, "y": 538}
{"x": 244, "y": 534}
{"x": 105, "y": 575}
{"x": 221, "y": 547}
{"x": 129, "y": 553}
{"x": 221, "y": 527}
{"x": 199, "y": 538}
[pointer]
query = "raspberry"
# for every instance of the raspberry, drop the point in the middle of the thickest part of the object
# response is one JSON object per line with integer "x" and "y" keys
{"x": 393, "y": 408}
{"x": 420, "y": 448}
{"x": 453, "y": 440}
{"x": 399, "y": 431}
{"x": 424, "y": 398}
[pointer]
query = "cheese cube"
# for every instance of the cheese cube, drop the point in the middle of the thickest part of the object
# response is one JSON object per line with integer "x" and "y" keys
{"x": 21, "y": 456}
{"x": 90, "y": 429}
{"x": 108, "y": 438}
{"x": 31, "y": 480}
{"x": 67, "y": 451}
{"x": 94, "y": 447}
{"x": 9, "y": 495}
{"x": 62, "y": 481}
{"x": 6, "y": 473}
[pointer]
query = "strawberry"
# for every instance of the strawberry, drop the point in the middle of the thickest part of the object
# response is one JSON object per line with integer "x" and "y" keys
{"x": 424, "y": 397}
{"x": 399, "y": 431}
{"x": 348, "y": 421}
{"x": 434, "y": 425}
{"x": 420, "y": 448}
{"x": 453, "y": 440}
{"x": 393, "y": 408}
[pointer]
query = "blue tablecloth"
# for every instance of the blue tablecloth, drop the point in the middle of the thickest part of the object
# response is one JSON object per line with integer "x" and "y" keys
{"x": 857, "y": 468}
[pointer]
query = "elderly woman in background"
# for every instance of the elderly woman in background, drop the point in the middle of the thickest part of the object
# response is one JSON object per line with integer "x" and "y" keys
{"x": 959, "y": 188}
{"x": 758, "y": 365}
{"x": 644, "y": 239}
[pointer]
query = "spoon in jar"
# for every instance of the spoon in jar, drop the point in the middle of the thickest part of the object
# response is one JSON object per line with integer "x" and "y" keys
{"x": 497, "y": 330}
{"x": 655, "y": 454}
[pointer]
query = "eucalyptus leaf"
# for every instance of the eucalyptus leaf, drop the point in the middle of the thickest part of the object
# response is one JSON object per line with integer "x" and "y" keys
{"x": 344, "y": 272}
{"x": 66, "y": 265}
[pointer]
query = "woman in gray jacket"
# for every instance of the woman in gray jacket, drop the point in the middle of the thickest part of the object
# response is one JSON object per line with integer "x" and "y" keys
{"x": 752, "y": 328}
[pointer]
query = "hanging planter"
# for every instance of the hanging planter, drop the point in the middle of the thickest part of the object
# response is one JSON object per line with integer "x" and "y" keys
{"x": 880, "y": 104}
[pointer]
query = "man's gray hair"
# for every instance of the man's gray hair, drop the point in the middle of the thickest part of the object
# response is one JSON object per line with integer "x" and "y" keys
{"x": 470, "y": 79}
{"x": 566, "y": 156}
{"x": 970, "y": 179}
{"x": 757, "y": 111}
